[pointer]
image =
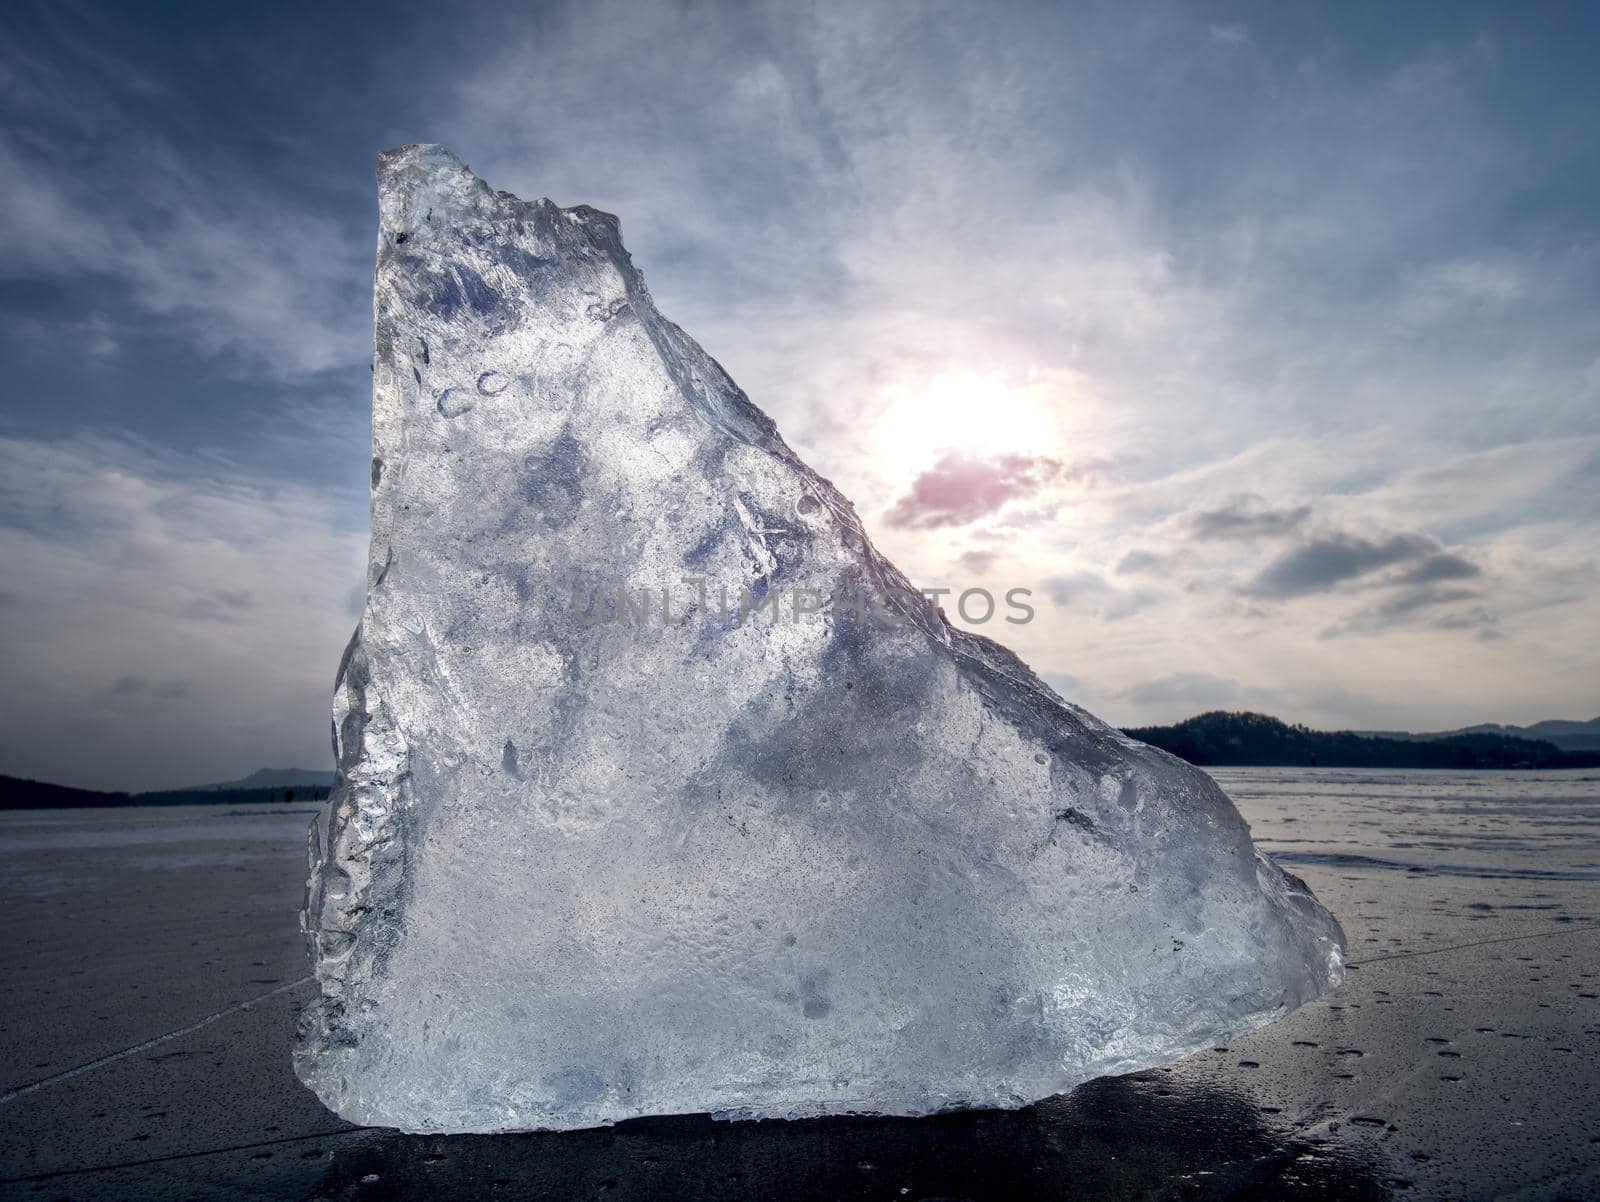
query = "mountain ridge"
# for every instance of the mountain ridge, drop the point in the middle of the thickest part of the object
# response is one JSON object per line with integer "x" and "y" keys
{"x": 20, "y": 793}
{"x": 1561, "y": 738}
{"x": 269, "y": 778}
{"x": 1566, "y": 733}
{"x": 1243, "y": 739}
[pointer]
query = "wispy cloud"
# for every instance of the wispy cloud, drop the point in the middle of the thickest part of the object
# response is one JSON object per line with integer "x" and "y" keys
{"x": 172, "y": 241}
{"x": 1310, "y": 412}
{"x": 1284, "y": 390}
{"x": 172, "y": 620}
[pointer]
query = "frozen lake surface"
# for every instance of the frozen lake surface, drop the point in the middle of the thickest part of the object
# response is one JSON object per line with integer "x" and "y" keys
{"x": 1483, "y": 824}
{"x": 154, "y": 970}
{"x": 1489, "y": 824}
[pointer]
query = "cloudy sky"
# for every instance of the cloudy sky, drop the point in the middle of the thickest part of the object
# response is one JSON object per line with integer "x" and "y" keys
{"x": 1261, "y": 341}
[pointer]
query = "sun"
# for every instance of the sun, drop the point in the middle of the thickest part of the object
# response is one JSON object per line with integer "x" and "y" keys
{"x": 963, "y": 412}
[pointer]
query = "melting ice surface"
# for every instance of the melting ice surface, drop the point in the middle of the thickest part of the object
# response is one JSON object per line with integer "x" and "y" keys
{"x": 578, "y": 870}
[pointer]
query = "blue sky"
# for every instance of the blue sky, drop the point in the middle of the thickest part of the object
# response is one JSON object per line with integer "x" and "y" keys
{"x": 1260, "y": 341}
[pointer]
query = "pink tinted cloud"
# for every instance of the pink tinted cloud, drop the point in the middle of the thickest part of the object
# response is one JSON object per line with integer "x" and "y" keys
{"x": 962, "y": 488}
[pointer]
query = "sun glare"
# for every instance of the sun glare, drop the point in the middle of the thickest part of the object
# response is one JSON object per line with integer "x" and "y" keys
{"x": 975, "y": 414}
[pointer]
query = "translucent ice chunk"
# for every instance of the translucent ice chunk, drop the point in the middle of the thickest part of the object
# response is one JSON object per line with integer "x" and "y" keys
{"x": 604, "y": 844}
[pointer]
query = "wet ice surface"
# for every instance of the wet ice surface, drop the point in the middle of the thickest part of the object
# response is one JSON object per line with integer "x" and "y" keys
{"x": 147, "y": 826}
{"x": 579, "y": 870}
{"x": 148, "y": 838}
{"x": 1456, "y": 1061}
{"x": 1511, "y": 824}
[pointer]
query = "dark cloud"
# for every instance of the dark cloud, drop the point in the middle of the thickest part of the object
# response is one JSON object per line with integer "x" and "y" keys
{"x": 1424, "y": 576}
{"x": 1477, "y": 618}
{"x": 1420, "y": 582}
{"x": 1438, "y": 608}
{"x": 1445, "y": 565}
{"x": 978, "y": 561}
{"x": 1246, "y": 516}
{"x": 1402, "y": 605}
{"x": 1135, "y": 562}
{"x": 962, "y": 488}
{"x": 1330, "y": 560}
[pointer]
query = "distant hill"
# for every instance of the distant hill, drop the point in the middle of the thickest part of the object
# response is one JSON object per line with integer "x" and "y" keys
{"x": 271, "y": 778}
{"x": 19, "y": 794}
{"x": 1221, "y": 738}
{"x": 1565, "y": 733}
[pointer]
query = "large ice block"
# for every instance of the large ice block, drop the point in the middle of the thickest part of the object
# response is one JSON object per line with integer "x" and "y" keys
{"x": 640, "y": 812}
